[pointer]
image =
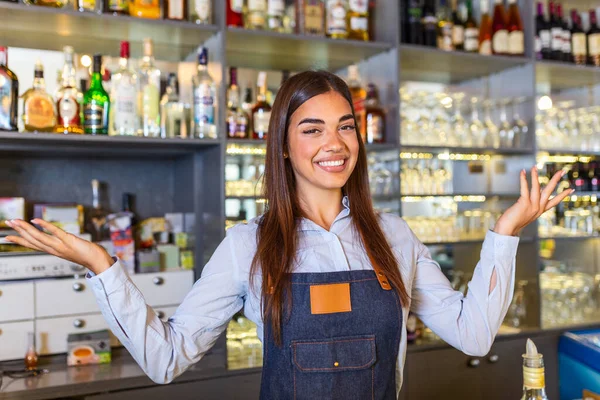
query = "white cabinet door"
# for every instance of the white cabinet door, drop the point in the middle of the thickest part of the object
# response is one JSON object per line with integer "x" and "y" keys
{"x": 52, "y": 332}
{"x": 64, "y": 297}
{"x": 13, "y": 339}
{"x": 16, "y": 301}
{"x": 164, "y": 288}
{"x": 165, "y": 313}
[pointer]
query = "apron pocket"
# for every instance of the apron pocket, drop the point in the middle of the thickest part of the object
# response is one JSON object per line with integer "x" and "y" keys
{"x": 337, "y": 368}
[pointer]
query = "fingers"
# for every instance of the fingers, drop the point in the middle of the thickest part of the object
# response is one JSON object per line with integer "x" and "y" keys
{"x": 549, "y": 189}
{"x": 524, "y": 185}
{"x": 535, "y": 187}
{"x": 33, "y": 235}
{"x": 53, "y": 229}
{"x": 557, "y": 199}
{"x": 22, "y": 242}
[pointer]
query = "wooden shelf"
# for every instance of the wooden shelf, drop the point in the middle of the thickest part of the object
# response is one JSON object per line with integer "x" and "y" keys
{"x": 280, "y": 51}
{"x": 49, "y": 28}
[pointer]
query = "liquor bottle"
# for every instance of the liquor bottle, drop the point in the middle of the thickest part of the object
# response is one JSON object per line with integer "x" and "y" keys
{"x": 38, "y": 107}
{"x": 593, "y": 177}
{"x": 89, "y": 6}
{"x": 555, "y": 33}
{"x": 485, "y": 30}
{"x": 116, "y": 7}
{"x": 237, "y": 121}
{"x": 47, "y": 3}
{"x": 458, "y": 28}
{"x": 358, "y": 18}
{"x": 67, "y": 99}
{"x": 413, "y": 15}
{"x": 336, "y": 25}
{"x": 542, "y": 35}
{"x": 145, "y": 9}
{"x": 471, "y": 31}
{"x": 256, "y": 14}
{"x": 124, "y": 119}
{"x": 444, "y": 29}
{"x": 516, "y": 44}
{"x": 97, "y": 225}
{"x": 566, "y": 36}
{"x": 359, "y": 96}
{"x": 176, "y": 10}
{"x": 202, "y": 12}
{"x": 534, "y": 385}
{"x": 578, "y": 40}
{"x": 149, "y": 92}
{"x": 31, "y": 356}
{"x": 375, "y": 132}
{"x": 289, "y": 17}
{"x": 310, "y": 17}
{"x": 499, "y": 31}
{"x": 275, "y": 12}
{"x": 96, "y": 103}
{"x": 235, "y": 9}
{"x": 261, "y": 112}
{"x": 593, "y": 39}
{"x": 205, "y": 99}
{"x": 174, "y": 114}
{"x": 9, "y": 94}
{"x": 429, "y": 23}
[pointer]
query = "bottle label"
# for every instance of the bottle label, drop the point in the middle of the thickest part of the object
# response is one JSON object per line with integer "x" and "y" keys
{"x": 579, "y": 44}
{"x": 445, "y": 39}
{"x": 175, "y": 9}
{"x": 6, "y": 103}
{"x": 500, "y": 42}
{"x": 471, "y": 39}
{"x": 485, "y": 48}
{"x": 276, "y": 8}
{"x": 39, "y": 112}
{"x": 538, "y": 45}
{"x": 533, "y": 378}
{"x": 516, "y": 43}
{"x": 257, "y": 5}
{"x": 566, "y": 42}
{"x": 313, "y": 19}
{"x": 336, "y": 23}
{"x": 545, "y": 39}
{"x": 458, "y": 35}
{"x": 117, "y": 5}
{"x": 242, "y": 126}
{"x": 125, "y": 108}
{"x": 204, "y": 110}
{"x": 203, "y": 9}
{"x": 95, "y": 117}
{"x": 261, "y": 121}
{"x": 150, "y": 101}
{"x": 359, "y": 24}
{"x": 232, "y": 127}
{"x": 89, "y": 5}
{"x": 374, "y": 128}
{"x": 68, "y": 111}
{"x": 594, "y": 43}
{"x": 237, "y": 6}
{"x": 359, "y": 6}
{"x": 557, "y": 38}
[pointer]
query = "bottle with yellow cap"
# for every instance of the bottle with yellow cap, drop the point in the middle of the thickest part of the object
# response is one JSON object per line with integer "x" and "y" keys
{"x": 534, "y": 385}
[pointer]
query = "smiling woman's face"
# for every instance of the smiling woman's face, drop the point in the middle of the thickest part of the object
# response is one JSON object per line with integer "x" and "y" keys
{"x": 322, "y": 143}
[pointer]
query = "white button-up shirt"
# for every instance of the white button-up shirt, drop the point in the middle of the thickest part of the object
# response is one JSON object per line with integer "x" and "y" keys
{"x": 165, "y": 349}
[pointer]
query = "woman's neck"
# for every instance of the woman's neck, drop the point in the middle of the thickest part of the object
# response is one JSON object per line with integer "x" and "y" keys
{"x": 321, "y": 207}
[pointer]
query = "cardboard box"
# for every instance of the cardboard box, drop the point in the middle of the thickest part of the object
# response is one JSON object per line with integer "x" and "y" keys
{"x": 88, "y": 348}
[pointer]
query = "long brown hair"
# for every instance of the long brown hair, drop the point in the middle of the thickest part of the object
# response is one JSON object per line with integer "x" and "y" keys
{"x": 277, "y": 236}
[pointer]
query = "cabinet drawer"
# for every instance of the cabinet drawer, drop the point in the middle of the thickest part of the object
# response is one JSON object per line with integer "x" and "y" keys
{"x": 52, "y": 332}
{"x": 16, "y": 301}
{"x": 13, "y": 339}
{"x": 164, "y": 288}
{"x": 64, "y": 297}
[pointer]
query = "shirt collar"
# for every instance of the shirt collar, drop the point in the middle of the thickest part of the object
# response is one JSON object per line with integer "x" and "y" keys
{"x": 308, "y": 225}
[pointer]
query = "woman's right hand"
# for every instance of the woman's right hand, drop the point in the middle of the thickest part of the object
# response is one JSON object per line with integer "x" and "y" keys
{"x": 60, "y": 244}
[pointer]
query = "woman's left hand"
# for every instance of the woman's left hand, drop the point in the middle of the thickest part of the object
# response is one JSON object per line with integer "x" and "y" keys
{"x": 531, "y": 204}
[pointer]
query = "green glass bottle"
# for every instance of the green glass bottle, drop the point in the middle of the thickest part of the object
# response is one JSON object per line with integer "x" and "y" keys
{"x": 96, "y": 103}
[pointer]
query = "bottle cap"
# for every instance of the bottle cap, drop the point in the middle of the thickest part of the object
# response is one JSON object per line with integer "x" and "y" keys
{"x": 39, "y": 69}
{"x": 124, "y": 49}
{"x": 97, "y": 63}
{"x": 148, "y": 47}
{"x": 68, "y": 51}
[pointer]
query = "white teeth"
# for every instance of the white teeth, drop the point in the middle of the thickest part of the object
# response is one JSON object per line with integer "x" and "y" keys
{"x": 331, "y": 163}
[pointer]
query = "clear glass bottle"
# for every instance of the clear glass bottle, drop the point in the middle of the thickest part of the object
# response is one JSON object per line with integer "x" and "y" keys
{"x": 202, "y": 12}
{"x": 31, "y": 356}
{"x": 67, "y": 99}
{"x": 237, "y": 119}
{"x": 261, "y": 112}
{"x": 149, "y": 92}
{"x": 275, "y": 13}
{"x": 534, "y": 383}
{"x": 39, "y": 114}
{"x": 358, "y": 20}
{"x": 445, "y": 26}
{"x": 255, "y": 15}
{"x": 96, "y": 103}
{"x": 97, "y": 224}
{"x": 174, "y": 114}
{"x": 124, "y": 118}
{"x": 9, "y": 94}
{"x": 205, "y": 99}
{"x": 336, "y": 21}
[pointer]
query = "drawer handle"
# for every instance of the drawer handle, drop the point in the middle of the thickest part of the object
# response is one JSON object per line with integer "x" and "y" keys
{"x": 474, "y": 362}
{"x": 79, "y": 323}
{"x": 160, "y": 314}
{"x": 78, "y": 287}
{"x": 494, "y": 358}
{"x": 158, "y": 281}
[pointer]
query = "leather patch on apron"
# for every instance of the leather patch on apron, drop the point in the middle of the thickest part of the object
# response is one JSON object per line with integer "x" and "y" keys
{"x": 329, "y": 299}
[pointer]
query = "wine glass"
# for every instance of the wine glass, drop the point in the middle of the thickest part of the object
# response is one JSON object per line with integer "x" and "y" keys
{"x": 461, "y": 128}
{"x": 493, "y": 137}
{"x": 505, "y": 132}
{"x": 519, "y": 126}
{"x": 478, "y": 129}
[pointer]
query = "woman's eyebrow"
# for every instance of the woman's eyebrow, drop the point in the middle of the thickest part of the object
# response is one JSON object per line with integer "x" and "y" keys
{"x": 311, "y": 121}
{"x": 346, "y": 117}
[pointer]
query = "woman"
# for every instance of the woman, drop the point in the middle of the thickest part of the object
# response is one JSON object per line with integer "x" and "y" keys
{"x": 334, "y": 280}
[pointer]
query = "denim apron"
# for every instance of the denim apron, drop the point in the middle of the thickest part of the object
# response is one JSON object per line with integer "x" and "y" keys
{"x": 341, "y": 355}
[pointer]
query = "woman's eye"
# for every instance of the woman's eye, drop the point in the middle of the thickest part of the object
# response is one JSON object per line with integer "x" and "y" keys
{"x": 348, "y": 127}
{"x": 309, "y": 131}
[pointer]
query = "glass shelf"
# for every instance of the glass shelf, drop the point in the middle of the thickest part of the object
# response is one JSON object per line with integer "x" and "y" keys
{"x": 562, "y": 76}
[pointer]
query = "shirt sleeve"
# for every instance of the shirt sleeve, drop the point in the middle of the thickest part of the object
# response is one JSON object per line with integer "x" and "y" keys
{"x": 164, "y": 350}
{"x": 469, "y": 323}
